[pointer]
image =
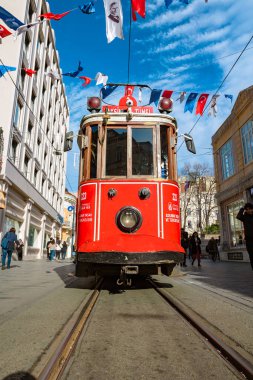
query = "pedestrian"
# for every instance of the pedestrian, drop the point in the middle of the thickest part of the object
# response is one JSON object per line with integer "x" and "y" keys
{"x": 212, "y": 249}
{"x": 52, "y": 249}
{"x": 64, "y": 250}
{"x": 48, "y": 251}
{"x": 189, "y": 247}
{"x": 8, "y": 246}
{"x": 58, "y": 249}
{"x": 19, "y": 249}
{"x": 184, "y": 244}
{"x": 245, "y": 215}
{"x": 195, "y": 244}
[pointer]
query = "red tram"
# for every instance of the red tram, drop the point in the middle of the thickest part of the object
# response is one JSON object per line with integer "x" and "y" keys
{"x": 127, "y": 216}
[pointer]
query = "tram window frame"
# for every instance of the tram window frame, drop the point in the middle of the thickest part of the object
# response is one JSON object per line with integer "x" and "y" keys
{"x": 154, "y": 144}
{"x": 104, "y": 153}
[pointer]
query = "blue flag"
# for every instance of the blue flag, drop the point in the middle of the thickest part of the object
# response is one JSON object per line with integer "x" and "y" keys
{"x": 74, "y": 74}
{"x": 4, "y": 69}
{"x": 87, "y": 8}
{"x": 229, "y": 97}
{"x": 155, "y": 96}
{"x": 10, "y": 20}
{"x": 106, "y": 91}
{"x": 190, "y": 102}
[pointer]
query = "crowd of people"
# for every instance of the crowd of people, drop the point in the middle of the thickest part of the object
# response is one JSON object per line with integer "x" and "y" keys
{"x": 10, "y": 243}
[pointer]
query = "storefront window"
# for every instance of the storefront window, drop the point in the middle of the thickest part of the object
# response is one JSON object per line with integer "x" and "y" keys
{"x": 236, "y": 227}
{"x": 9, "y": 223}
{"x": 32, "y": 237}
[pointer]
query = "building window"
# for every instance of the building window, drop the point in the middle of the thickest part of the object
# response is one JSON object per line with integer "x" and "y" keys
{"x": 29, "y": 134}
{"x": 236, "y": 226}
{"x": 26, "y": 166}
{"x": 247, "y": 141}
{"x": 32, "y": 237}
{"x": 17, "y": 116}
{"x": 227, "y": 160}
{"x": 14, "y": 150}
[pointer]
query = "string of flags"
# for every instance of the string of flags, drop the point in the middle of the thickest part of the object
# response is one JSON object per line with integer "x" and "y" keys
{"x": 113, "y": 15}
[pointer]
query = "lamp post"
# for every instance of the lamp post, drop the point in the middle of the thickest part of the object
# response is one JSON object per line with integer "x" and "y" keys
{"x": 72, "y": 209}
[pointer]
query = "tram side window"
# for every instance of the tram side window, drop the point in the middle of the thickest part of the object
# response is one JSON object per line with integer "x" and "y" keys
{"x": 142, "y": 151}
{"x": 94, "y": 141}
{"x": 164, "y": 152}
{"x": 116, "y": 152}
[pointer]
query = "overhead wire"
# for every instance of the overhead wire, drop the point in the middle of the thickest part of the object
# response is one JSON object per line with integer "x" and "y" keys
{"x": 35, "y": 117}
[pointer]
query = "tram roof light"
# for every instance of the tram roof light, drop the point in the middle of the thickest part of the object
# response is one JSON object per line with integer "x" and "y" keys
{"x": 165, "y": 105}
{"x": 94, "y": 104}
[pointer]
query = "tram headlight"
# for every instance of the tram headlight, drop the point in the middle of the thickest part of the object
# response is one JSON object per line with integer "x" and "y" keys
{"x": 129, "y": 219}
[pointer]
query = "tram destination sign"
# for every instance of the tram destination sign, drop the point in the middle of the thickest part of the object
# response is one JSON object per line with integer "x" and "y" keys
{"x": 136, "y": 109}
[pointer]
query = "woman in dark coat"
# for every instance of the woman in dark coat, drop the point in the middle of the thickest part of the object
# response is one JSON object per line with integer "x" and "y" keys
{"x": 19, "y": 249}
{"x": 195, "y": 244}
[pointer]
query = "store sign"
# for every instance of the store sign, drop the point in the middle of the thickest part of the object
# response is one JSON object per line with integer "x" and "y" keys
{"x": 118, "y": 109}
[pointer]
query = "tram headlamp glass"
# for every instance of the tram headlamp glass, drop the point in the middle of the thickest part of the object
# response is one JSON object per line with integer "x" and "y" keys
{"x": 128, "y": 219}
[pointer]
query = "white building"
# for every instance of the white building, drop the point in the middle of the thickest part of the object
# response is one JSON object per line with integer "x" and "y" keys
{"x": 34, "y": 117}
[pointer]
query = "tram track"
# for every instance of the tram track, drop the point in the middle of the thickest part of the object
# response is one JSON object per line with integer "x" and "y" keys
{"x": 223, "y": 349}
{"x": 58, "y": 361}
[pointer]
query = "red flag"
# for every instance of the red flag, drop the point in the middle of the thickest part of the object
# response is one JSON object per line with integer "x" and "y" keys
{"x": 29, "y": 72}
{"x": 4, "y": 32}
{"x": 53, "y": 16}
{"x": 201, "y": 104}
{"x": 167, "y": 94}
{"x": 138, "y": 6}
{"x": 86, "y": 81}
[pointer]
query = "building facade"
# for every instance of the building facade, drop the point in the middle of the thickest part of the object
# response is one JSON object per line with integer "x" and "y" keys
{"x": 198, "y": 207}
{"x": 34, "y": 117}
{"x": 69, "y": 223}
{"x": 233, "y": 159}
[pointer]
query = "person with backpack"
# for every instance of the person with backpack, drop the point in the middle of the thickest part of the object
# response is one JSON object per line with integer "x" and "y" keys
{"x": 8, "y": 246}
{"x": 245, "y": 215}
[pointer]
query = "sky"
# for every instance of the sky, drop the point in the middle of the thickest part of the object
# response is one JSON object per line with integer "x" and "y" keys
{"x": 183, "y": 48}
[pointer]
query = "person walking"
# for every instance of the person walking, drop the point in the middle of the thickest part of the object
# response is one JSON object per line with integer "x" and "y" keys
{"x": 184, "y": 244}
{"x": 58, "y": 249}
{"x": 52, "y": 249}
{"x": 48, "y": 251}
{"x": 64, "y": 250}
{"x": 245, "y": 215}
{"x": 8, "y": 245}
{"x": 19, "y": 249}
{"x": 212, "y": 249}
{"x": 195, "y": 244}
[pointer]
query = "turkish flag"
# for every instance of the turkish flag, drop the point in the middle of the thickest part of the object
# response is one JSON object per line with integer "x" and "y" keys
{"x": 201, "y": 104}
{"x": 86, "y": 81}
{"x": 29, "y": 72}
{"x": 4, "y": 32}
{"x": 53, "y": 16}
{"x": 138, "y": 6}
{"x": 167, "y": 94}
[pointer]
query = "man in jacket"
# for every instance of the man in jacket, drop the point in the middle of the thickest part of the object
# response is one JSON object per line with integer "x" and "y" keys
{"x": 11, "y": 239}
{"x": 245, "y": 215}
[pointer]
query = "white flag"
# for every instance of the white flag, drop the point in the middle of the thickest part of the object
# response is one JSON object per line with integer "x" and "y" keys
{"x": 24, "y": 28}
{"x": 213, "y": 106}
{"x": 101, "y": 79}
{"x": 114, "y": 19}
{"x": 53, "y": 74}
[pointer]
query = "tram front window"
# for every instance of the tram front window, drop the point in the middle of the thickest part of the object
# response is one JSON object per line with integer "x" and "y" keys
{"x": 94, "y": 139}
{"x": 142, "y": 151}
{"x": 164, "y": 152}
{"x": 116, "y": 152}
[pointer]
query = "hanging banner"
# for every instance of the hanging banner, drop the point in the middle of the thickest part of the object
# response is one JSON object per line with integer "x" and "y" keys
{"x": 114, "y": 19}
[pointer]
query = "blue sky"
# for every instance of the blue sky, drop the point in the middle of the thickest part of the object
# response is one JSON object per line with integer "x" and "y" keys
{"x": 185, "y": 48}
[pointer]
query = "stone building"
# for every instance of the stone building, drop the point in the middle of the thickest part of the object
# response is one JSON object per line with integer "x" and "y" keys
{"x": 33, "y": 119}
{"x": 233, "y": 159}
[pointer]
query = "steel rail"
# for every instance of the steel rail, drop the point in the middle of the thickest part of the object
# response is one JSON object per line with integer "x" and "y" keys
{"x": 57, "y": 363}
{"x": 231, "y": 355}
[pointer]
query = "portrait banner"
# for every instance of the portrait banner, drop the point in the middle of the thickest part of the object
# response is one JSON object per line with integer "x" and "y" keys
{"x": 114, "y": 19}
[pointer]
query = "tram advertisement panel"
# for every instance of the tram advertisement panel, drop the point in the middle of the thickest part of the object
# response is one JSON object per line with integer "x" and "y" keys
{"x": 87, "y": 213}
{"x": 170, "y": 212}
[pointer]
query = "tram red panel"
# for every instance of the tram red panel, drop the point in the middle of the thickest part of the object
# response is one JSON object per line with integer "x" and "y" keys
{"x": 86, "y": 216}
{"x": 170, "y": 211}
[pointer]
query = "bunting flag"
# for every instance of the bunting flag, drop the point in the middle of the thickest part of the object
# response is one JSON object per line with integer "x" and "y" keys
{"x": 4, "y": 69}
{"x": 101, "y": 79}
{"x": 24, "y": 28}
{"x": 86, "y": 81}
{"x": 10, "y": 20}
{"x": 167, "y": 94}
{"x": 140, "y": 95}
{"x": 88, "y": 8}
{"x": 74, "y": 74}
{"x": 213, "y": 110}
{"x": 106, "y": 91}
{"x": 138, "y": 6}
{"x": 4, "y": 32}
{"x": 114, "y": 19}
{"x": 155, "y": 96}
{"x": 181, "y": 96}
{"x": 187, "y": 185}
{"x": 53, "y": 75}
{"x": 201, "y": 104}
{"x": 53, "y": 16}
{"x": 229, "y": 97}
{"x": 29, "y": 72}
{"x": 190, "y": 102}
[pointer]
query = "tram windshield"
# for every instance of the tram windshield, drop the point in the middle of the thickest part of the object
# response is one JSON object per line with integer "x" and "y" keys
{"x": 116, "y": 152}
{"x": 142, "y": 151}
